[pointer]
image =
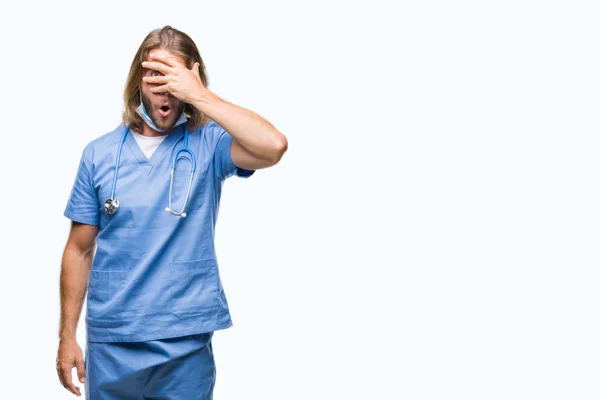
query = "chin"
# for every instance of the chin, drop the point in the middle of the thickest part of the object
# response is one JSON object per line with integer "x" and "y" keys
{"x": 165, "y": 125}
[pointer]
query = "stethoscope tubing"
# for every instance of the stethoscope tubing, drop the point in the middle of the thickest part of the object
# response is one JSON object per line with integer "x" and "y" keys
{"x": 114, "y": 203}
{"x": 185, "y": 149}
{"x": 117, "y": 163}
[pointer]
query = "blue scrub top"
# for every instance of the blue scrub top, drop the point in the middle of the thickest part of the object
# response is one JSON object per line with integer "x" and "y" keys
{"x": 154, "y": 275}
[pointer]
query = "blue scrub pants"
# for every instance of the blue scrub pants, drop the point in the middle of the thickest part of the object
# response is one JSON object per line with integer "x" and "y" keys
{"x": 175, "y": 369}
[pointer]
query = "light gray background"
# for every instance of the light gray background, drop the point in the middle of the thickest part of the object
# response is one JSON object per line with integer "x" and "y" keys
{"x": 431, "y": 233}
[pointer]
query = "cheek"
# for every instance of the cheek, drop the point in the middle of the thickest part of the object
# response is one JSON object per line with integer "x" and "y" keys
{"x": 147, "y": 92}
{"x": 176, "y": 104}
{"x": 145, "y": 88}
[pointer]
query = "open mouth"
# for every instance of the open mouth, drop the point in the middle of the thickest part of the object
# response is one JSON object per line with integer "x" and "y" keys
{"x": 164, "y": 111}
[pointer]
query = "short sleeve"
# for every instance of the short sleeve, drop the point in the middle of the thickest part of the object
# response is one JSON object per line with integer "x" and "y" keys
{"x": 82, "y": 205}
{"x": 223, "y": 163}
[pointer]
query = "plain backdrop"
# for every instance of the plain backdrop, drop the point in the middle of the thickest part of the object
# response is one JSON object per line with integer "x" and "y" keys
{"x": 431, "y": 233}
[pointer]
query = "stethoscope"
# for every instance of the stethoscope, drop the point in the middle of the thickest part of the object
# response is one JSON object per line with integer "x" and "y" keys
{"x": 112, "y": 204}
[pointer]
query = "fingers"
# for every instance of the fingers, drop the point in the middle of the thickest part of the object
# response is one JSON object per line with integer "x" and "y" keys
{"x": 157, "y": 66}
{"x": 170, "y": 61}
{"x": 64, "y": 374}
{"x": 156, "y": 79}
{"x": 80, "y": 369}
{"x": 160, "y": 89}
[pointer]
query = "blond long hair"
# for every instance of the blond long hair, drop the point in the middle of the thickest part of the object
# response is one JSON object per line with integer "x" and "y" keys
{"x": 178, "y": 43}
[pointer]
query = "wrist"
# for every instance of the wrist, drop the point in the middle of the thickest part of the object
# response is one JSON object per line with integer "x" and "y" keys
{"x": 205, "y": 100}
{"x": 66, "y": 336}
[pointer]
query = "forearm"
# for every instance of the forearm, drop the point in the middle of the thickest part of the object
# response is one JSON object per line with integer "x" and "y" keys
{"x": 254, "y": 133}
{"x": 74, "y": 276}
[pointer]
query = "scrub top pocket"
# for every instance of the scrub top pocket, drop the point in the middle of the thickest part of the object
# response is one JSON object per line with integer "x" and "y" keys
{"x": 194, "y": 287}
{"x": 103, "y": 292}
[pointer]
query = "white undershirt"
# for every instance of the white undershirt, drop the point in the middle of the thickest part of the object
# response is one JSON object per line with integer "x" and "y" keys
{"x": 148, "y": 144}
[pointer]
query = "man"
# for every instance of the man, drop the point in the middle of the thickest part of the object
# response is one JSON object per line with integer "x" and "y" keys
{"x": 142, "y": 240}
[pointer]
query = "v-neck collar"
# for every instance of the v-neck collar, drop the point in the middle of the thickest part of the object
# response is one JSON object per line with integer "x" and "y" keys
{"x": 163, "y": 147}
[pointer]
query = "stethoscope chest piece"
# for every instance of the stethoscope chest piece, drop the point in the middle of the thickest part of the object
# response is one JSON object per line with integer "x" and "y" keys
{"x": 111, "y": 206}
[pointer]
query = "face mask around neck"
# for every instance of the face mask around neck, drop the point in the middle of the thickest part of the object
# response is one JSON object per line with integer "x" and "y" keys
{"x": 141, "y": 111}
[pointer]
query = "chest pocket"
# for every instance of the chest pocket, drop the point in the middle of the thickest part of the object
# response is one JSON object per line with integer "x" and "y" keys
{"x": 181, "y": 181}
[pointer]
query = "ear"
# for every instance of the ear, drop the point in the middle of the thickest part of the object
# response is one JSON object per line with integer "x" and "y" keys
{"x": 195, "y": 68}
